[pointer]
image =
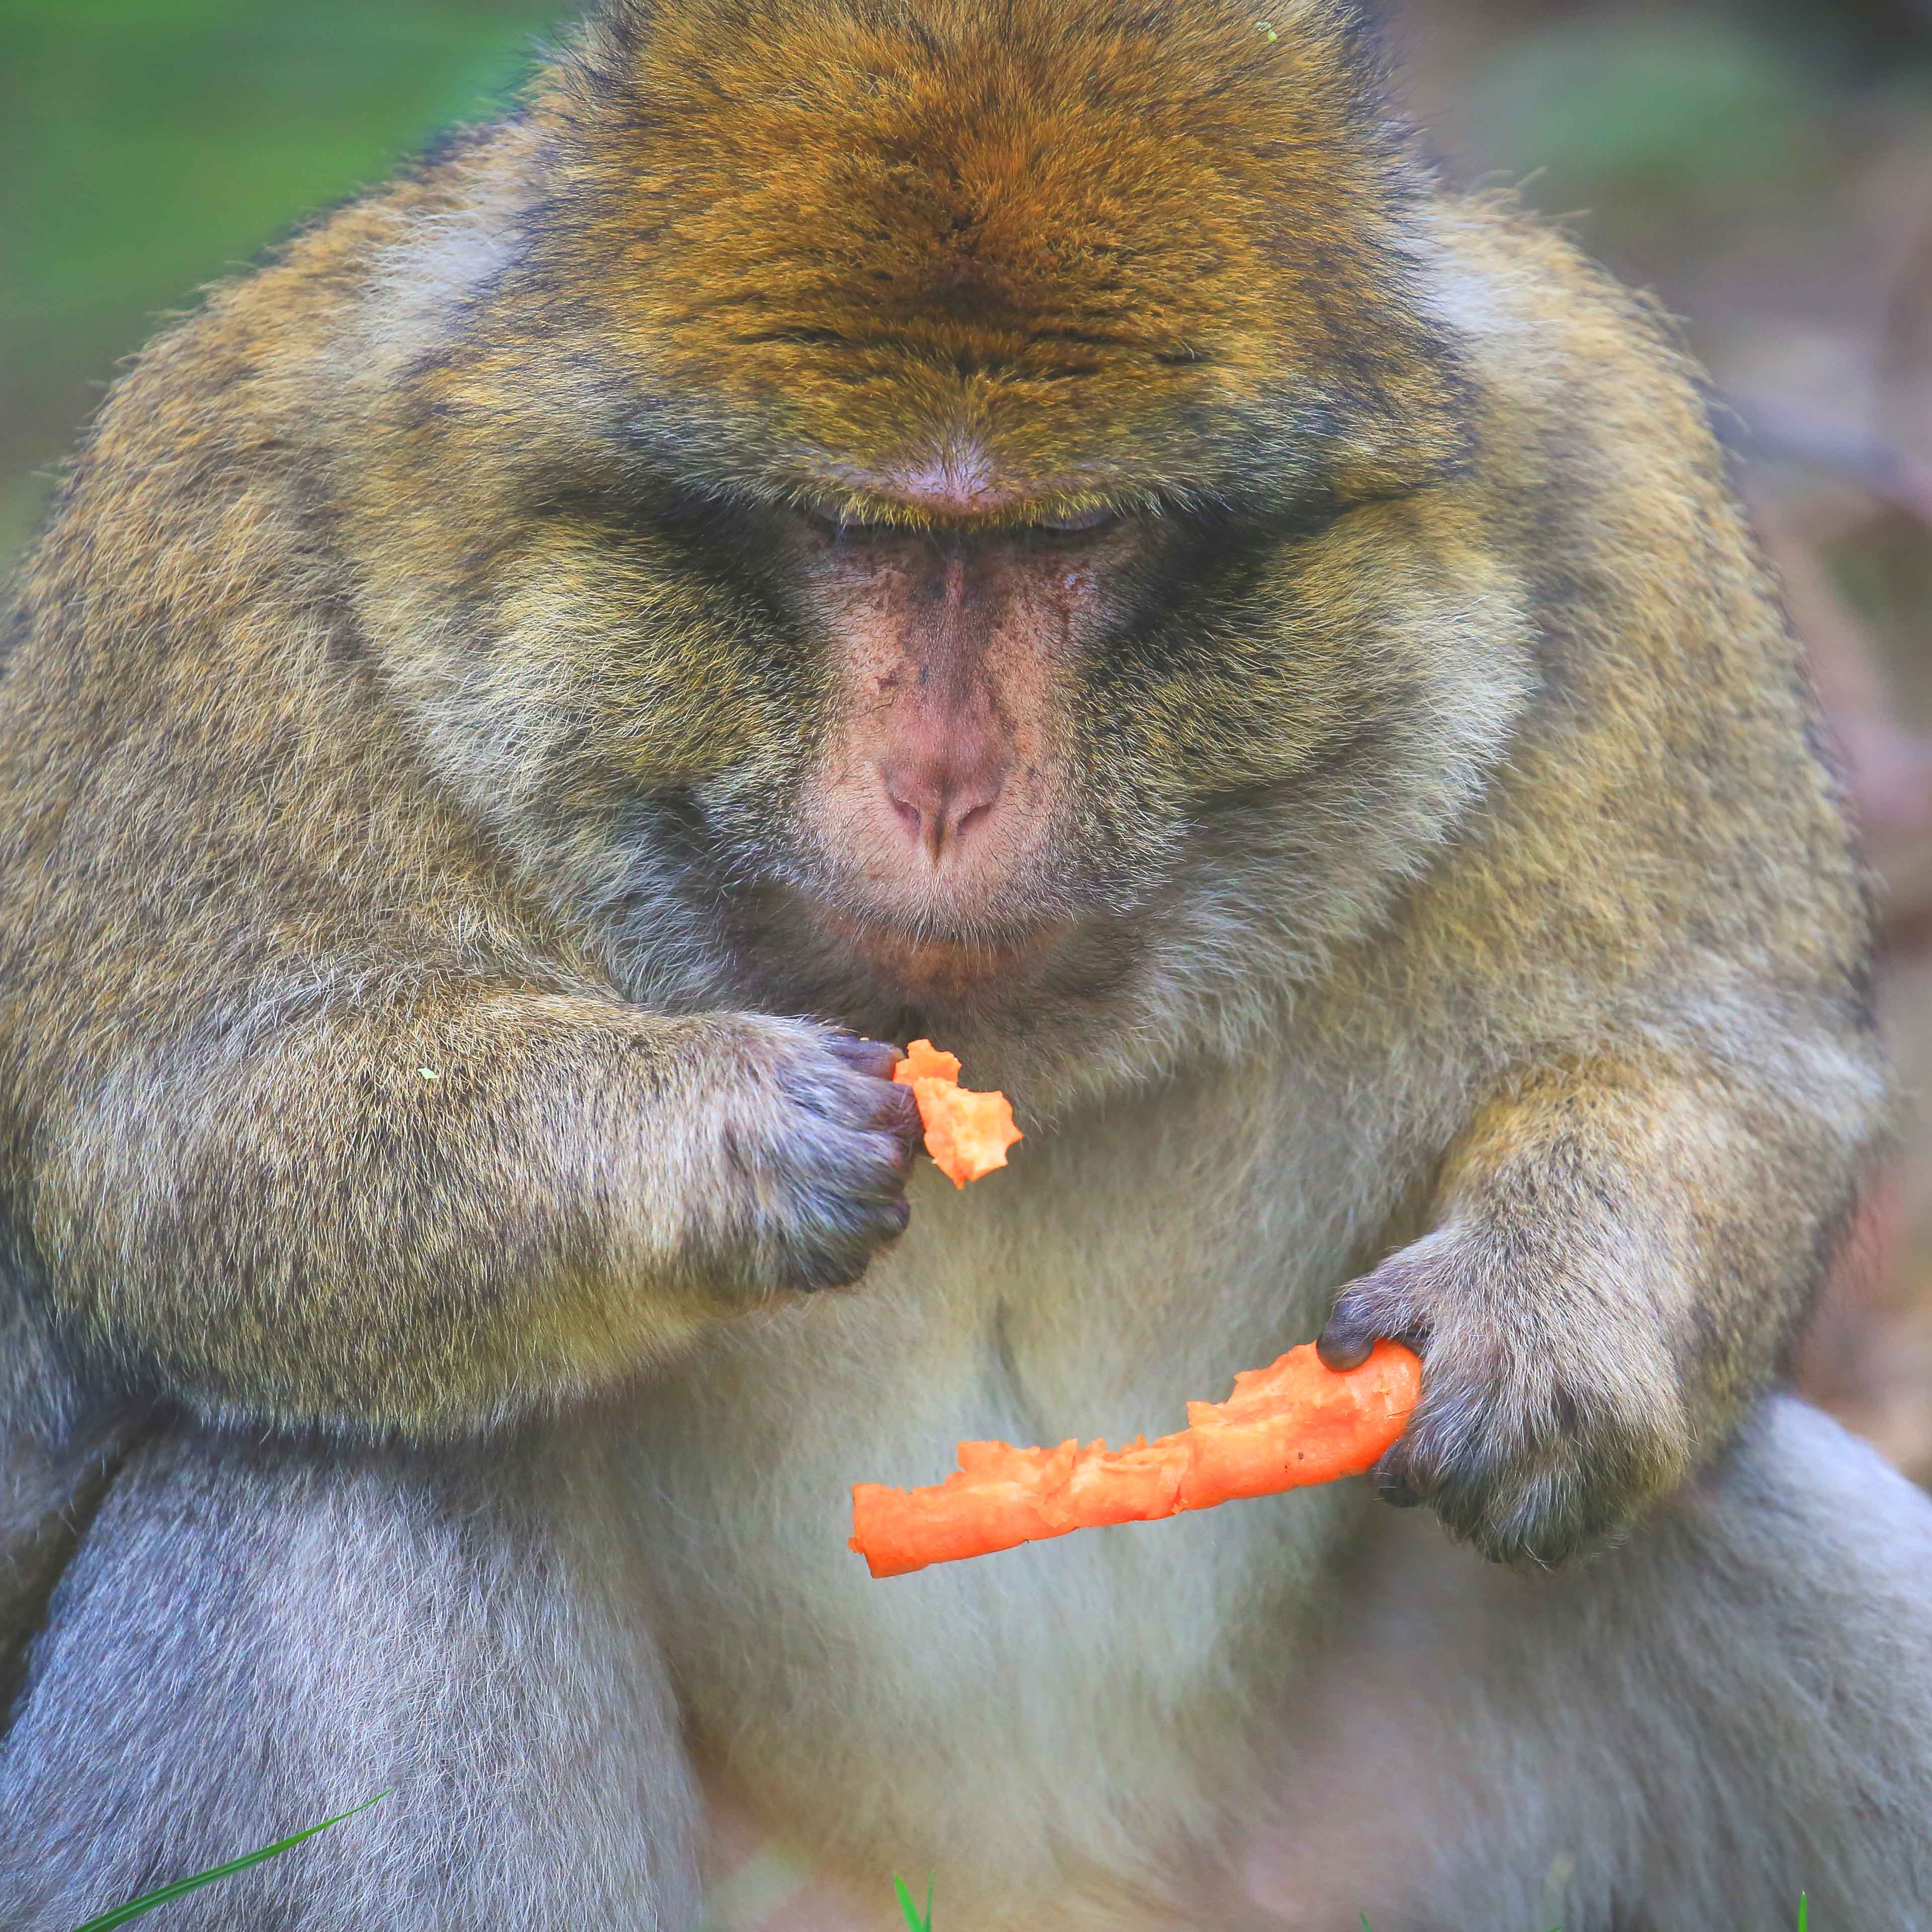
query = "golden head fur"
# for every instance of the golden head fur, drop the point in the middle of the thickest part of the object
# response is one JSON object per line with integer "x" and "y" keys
{"x": 1042, "y": 254}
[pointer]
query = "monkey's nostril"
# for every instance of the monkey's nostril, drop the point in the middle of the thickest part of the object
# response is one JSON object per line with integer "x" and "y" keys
{"x": 972, "y": 816}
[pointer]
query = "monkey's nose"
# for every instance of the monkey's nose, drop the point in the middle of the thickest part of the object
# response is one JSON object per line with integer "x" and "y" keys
{"x": 939, "y": 800}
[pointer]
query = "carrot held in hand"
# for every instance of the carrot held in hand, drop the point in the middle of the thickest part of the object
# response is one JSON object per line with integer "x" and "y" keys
{"x": 1286, "y": 1426}
{"x": 967, "y": 1134}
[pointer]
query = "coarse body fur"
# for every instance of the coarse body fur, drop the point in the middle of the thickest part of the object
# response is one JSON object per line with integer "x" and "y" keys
{"x": 1378, "y": 839}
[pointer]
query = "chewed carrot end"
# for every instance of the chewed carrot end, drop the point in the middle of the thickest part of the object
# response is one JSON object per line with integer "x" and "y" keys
{"x": 967, "y": 1134}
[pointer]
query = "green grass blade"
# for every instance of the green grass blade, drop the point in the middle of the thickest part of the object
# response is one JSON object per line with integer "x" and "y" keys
{"x": 1803, "y": 1911}
{"x": 914, "y": 1921}
{"x": 134, "y": 1908}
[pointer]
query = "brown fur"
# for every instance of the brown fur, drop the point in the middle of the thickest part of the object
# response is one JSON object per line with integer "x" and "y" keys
{"x": 435, "y": 741}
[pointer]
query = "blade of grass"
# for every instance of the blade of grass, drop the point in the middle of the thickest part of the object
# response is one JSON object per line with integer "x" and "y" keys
{"x": 914, "y": 1923}
{"x": 135, "y": 1907}
{"x": 1803, "y": 1911}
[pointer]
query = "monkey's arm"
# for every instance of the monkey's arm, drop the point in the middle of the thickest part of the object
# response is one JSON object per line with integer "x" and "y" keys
{"x": 309, "y": 1112}
{"x": 431, "y": 1214}
{"x": 1619, "y": 1254}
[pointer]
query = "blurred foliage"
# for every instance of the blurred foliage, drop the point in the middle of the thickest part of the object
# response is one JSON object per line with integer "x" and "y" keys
{"x": 149, "y": 145}
{"x": 1666, "y": 126}
{"x": 1674, "y": 107}
{"x": 1884, "y": 569}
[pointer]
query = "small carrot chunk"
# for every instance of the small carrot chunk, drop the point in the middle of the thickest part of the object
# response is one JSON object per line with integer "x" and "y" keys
{"x": 967, "y": 1134}
{"x": 924, "y": 1061}
{"x": 1291, "y": 1424}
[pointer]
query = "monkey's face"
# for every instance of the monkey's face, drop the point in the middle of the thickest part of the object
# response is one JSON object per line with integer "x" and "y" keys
{"x": 963, "y": 500}
{"x": 939, "y": 830}
{"x": 987, "y": 756}
{"x": 957, "y": 805}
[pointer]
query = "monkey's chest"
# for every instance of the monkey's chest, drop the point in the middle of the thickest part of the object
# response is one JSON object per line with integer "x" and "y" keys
{"x": 1073, "y": 1702}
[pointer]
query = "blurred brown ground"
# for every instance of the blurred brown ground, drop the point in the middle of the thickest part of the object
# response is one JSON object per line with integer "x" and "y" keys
{"x": 1764, "y": 166}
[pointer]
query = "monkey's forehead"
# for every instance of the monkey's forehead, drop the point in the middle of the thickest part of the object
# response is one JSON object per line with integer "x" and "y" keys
{"x": 1024, "y": 242}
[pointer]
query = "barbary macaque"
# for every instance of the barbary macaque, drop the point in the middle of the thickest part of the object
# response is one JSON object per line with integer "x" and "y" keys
{"x": 1041, "y": 524}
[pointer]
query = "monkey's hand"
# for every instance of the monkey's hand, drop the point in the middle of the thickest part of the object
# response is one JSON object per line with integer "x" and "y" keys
{"x": 1616, "y": 1265}
{"x": 813, "y": 1143}
{"x": 1538, "y": 1433}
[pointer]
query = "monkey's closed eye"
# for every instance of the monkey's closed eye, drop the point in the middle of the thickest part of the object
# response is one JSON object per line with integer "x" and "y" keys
{"x": 1079, "y": 521}
{"x": 831, "y": 523}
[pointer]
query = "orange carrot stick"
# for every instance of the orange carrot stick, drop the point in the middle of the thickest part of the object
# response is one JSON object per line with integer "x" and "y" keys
{"x": 1294, "y": 1423}
{"x": 967, "y": 1134}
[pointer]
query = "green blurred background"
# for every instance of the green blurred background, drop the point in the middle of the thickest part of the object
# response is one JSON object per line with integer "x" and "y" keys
{"x": 1764, "y": 166}
{"x": 148, "y": 146}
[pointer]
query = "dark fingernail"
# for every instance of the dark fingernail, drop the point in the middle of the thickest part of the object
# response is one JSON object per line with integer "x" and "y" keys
{"x": 866, "y": 1056}
{"x": 1342, "y": 1351}
{"x": 1394, "y": 1491}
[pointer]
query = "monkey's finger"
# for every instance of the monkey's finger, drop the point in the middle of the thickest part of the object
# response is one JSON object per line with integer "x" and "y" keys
{"x": 1358, "y": 1321}
{"x": 898, "y": 1115}
{"x": 1391, "y": 1478}
{"x": 876, "y": 1057}
{"x": 845, "y": 1237}
{"x": 888, "y": 1117}
{"x": 895, "y": 1112}
{"x": 860, "y": 1168}
{"x": 1380, "y": 1307}
{"x": 867, "y": 1104}
{"x": 1346, "y": 1343}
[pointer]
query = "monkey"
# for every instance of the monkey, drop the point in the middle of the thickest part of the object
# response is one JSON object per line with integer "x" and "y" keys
{"x": 1046, "y": 524}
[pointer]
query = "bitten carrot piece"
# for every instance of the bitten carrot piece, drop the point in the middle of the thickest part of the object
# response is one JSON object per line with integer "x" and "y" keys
{"x": 967, "y": 1134}
{"x": 1286, "y": 1426}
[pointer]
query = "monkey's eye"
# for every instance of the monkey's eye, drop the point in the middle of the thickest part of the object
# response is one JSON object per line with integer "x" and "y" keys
{"x": 830, "y": 523}
{"x": 1078, "y": 521}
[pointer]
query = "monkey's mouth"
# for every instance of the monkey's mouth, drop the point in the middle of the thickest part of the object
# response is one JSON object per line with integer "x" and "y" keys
{"x": 937, "y": 968}
{"x": 942, "y": 969}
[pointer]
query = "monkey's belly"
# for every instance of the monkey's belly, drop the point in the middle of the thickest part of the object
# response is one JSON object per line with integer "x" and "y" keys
{"x": 1087, "y": 1706}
